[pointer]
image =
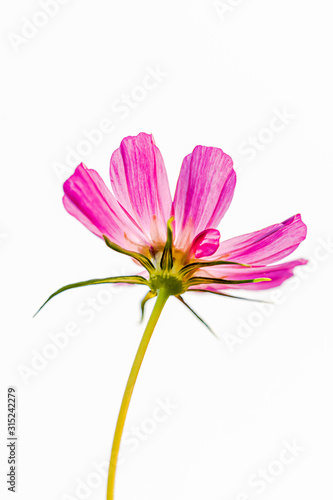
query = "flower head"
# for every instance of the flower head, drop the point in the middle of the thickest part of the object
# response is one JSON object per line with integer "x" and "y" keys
{"x": 177, "y": 242}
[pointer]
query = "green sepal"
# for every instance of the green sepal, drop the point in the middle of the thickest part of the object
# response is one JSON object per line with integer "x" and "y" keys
{"x": 167, "y": 257}
{"x": 197, "y": 265}
{"x": 132, "y": 280}
{"x": 200, "y": 280}
{"x": 148, "y": 296}
{"x": 229, "y": 295}
{"x": 196, "y": 315}
{"x": 142, "y": 259}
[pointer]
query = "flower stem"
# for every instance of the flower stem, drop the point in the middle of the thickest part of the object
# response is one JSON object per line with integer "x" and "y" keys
{"x": 162, "y": 297}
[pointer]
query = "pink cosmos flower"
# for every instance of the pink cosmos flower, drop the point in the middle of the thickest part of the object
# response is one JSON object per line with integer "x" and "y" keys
{"x": 177, "y": 242}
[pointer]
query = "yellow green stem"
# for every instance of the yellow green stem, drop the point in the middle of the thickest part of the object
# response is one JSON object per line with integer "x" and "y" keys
{"x": 162, "y": 297}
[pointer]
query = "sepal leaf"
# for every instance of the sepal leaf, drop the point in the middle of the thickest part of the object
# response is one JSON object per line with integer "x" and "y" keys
{"x": 200, "y": 280}
{"x": 215, "y": 292}
{"x": 148, "y": 296}
{"x": 132, "y": 280}
{"x": 142, "y": 259}
{"x": 197, "y": 265}
{"x": 179, "y": 297}
{"x": 167, "y": 256}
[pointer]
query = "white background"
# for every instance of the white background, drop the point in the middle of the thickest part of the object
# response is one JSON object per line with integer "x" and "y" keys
{"x": 224, "y": 74}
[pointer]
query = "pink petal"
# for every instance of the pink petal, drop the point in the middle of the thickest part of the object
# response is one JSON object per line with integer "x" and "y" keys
{"x": 204, "y": 191}
{"x": 88, "y": 199}
{"x": 267, "y": 245}
{"x": 206, "y": 243}
{"x": 140, "y": 183}
{"x": 277, "y": 274}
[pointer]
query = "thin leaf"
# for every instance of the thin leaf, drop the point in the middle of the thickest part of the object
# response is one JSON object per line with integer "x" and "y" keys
{"x": 144, "y": 261}
{"x": 150, "y": 295}
{"x": 200, "y": 280}
{"x": 167, "y": 257}
{"x": 197, "y": 265}
{"x": 196, "y": 315}
{"x": 133, "y": 280}
{"x": 228, "y": 295}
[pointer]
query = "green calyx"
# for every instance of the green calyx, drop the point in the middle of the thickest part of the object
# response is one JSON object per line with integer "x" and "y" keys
{"x": 171, "y": 283}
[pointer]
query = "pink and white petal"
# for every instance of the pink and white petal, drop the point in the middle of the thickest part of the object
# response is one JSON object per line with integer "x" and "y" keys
{"x": 266, "y": 246}
{"x": 277, "y": 274}
{"x": 88, "y": 199}
{"x": 140, "y": 183}
{"x": 205, "y": 243}
{"x": 204, "y": 191}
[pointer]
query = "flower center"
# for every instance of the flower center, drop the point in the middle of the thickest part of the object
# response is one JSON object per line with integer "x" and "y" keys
{"x": 173, "y": 284}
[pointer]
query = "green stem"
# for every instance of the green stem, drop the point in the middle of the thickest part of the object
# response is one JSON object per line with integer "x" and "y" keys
{"x": 162, "y": 297}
